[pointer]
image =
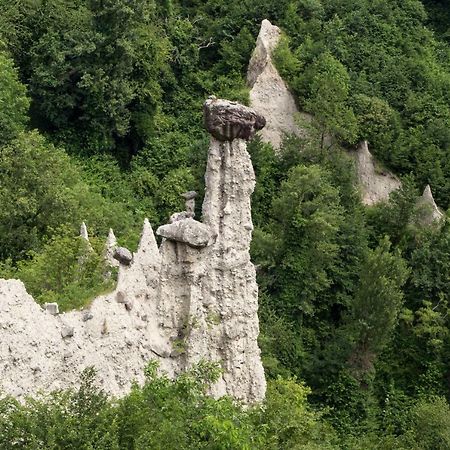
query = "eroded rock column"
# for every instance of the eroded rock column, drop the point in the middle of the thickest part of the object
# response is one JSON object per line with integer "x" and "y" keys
{"x": 225, "y": 294}
{"x": 209, "y": 301}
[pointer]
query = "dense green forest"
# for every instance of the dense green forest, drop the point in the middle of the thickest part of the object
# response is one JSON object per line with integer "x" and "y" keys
{"x": 101, "y": 121}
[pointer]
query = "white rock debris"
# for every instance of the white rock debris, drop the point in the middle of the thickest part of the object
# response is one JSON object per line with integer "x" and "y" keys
{"x": 178, "y": 304}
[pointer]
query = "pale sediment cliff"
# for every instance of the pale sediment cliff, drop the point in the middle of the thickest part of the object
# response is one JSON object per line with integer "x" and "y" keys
{"x": 427, "y": 212}
{"x": 194, "y": 298}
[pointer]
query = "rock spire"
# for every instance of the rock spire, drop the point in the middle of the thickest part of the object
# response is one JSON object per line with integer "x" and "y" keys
{"x": 84, "y": 232}
{"x": 110, "y": 247}
{"x": 269, "y": 94}
{"x": 209, "y": 297}
{"x": 428, "y": 213}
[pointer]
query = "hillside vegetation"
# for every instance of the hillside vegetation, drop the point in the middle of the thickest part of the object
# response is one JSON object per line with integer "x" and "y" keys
{"x": 101, "y": 121}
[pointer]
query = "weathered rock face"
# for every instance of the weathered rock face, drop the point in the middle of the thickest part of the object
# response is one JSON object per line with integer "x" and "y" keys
{"x": 178, "y": 304}
{"x": 375, "y": 185}
{"x": 269, "y": 94}
{"x": 42, "y": 351}
{"x": 217, "y": 309}
{"x": 110, "y": 248}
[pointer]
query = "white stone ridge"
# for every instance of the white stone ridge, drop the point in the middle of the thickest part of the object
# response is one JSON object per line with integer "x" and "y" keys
{"x": 179, "y": 304}
{"x": 375, "y": 185}
{"x": 116, "y": 338}
{"x": 269, "y": 94}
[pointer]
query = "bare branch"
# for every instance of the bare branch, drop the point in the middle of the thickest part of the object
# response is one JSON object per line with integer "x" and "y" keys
{"x": 206, "y": 44}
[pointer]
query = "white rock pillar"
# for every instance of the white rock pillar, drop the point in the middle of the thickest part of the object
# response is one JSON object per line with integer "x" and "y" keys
{"x": 228, "y": 319}
{"x": 208, "y": 297}
{"x": 110, "y": 247}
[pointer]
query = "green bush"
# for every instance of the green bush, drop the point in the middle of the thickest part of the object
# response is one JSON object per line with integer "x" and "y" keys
{"x": 68, "y": 270}
{"x": 14, "y": 102}
{"x": 163, "y": 414}
{"x": 41, "y": 190}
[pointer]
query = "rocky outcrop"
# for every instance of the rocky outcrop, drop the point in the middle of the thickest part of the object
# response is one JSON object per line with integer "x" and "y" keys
{"x": 179, "y": 304}
{"x": 84, "y": 232}
{"x": 375, "y": 184}
{"x": 427, "y": 212}
{"x": 209, "y": 298}
{"x": 43, "y": 350}
{"x": 110, "y": 248}
{"x": 189, "y": 198}
{"x": 269, "y": 94}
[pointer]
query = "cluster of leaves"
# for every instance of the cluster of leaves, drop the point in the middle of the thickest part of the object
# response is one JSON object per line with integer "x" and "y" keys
{"x": 42, "y": 189}
{"x": 13, "y": 100}
{"x": 70, "y": 271}
{"x": 167, "y": 414}
{"x": 353, "y": 300}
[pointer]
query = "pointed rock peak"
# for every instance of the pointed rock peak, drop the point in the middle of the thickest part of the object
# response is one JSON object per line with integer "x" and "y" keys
{"x": 427, "y": 194}
{"x": 375, "y": 181}
{"x": 268, "y": 38}
{"x": 147, "y": 243}
{"x": 269, "y": 35}
{"x": 147, "y": 230}
{"x": 111, "y": 241}
{"x": 431, "y": 213}
{"x": 84, "y": 232}
{"x": 110, "y": 248}
{"x": 269, "y": 94}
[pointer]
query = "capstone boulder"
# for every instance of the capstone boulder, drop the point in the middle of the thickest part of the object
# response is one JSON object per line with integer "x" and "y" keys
{"x": 227, "y": 120}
